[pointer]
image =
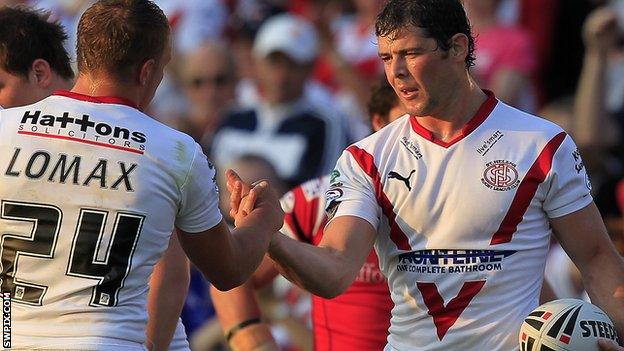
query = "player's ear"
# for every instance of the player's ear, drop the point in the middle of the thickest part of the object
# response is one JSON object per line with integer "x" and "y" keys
{"x": 459, "y": 47}
{"x": 40, "y": 73}
{"x": 146, "y": 70}
{"x": 377, "y": 122}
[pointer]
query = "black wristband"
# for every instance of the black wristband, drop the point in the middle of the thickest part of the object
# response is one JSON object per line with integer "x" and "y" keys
{"x": 235, "y": 329}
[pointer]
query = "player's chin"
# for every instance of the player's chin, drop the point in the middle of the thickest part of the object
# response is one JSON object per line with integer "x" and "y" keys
{"x": 416, "y": 109}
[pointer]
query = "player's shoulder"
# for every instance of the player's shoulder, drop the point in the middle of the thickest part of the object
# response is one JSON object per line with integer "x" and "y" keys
{"x": 386, "y": 136}
{"x": 19, "y": 114}
{"x": 511, "y": 119}
{"x": 19, "y": 110}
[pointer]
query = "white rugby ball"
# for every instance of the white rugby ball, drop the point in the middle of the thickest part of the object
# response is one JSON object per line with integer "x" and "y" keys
{"x": 566, "y": 325}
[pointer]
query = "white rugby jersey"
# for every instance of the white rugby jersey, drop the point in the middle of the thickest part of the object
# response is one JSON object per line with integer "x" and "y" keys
{"x": 463, "y": 227}
{"x": 90, "y": 191}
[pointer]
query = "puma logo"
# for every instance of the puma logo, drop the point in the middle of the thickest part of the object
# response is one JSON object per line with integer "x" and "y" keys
{"x": 395, "y": 175}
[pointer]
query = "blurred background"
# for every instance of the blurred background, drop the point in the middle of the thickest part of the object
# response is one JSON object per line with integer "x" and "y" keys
{"x": 277, "y": 89}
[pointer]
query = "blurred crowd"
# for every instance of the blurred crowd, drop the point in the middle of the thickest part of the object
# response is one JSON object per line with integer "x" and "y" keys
{"x": 277, "y": 89}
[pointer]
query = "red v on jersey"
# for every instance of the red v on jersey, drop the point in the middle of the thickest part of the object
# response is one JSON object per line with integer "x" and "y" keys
{"x": 445, "y": 316}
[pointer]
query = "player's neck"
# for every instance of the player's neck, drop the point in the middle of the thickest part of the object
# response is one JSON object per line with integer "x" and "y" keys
{"x": 60, "y": 83}
{"x": 453, "y": 116}
{"x": 99, "y": 86}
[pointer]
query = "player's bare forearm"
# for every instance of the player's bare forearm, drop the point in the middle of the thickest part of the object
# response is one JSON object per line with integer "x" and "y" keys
{"x": 314, "y": 269}
{"x": 236, "y": 305}
{"x": 328, "y": 269}
{"x": 584, "y": 237}
{"x": 603, "y": 279}
{"x": 234, "y": 308}
{"x": 228, "y": 259}
{"x": 168, "y": 288}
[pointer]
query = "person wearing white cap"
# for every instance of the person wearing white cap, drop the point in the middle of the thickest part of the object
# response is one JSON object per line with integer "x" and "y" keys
{"x": 300, "y": 138}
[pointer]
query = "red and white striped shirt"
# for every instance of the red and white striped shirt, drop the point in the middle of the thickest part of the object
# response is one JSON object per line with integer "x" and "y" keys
{"x": 463, "y": 226}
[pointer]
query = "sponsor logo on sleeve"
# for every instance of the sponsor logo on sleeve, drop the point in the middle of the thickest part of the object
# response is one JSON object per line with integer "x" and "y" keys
{"x": 332, "y": 197}
{"x": 331, "y": 209}
{"x": 333, "y": 194}
{"x": 335, "y": 174}
{"x": 578, "y": 161}
{"x": 579, "y": 166}
{"x": 214, "y": 176}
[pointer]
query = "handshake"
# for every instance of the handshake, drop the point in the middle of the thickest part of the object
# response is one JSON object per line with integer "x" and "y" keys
{"x": 254, "y": 205}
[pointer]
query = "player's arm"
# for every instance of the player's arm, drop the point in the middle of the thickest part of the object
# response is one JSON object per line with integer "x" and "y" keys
{"x": 547, "y": 294}
{"x": 583, "y": 236}
{"x": 168, "y": 288}
{"x": 240, "y": 316}
{"x": 325, "y": 270}
{"x": 228, "y": 259}
{"x": 328, "y": 269}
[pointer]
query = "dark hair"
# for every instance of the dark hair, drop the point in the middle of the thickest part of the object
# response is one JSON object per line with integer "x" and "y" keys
{"x": 441, "y": 20}
{"x": 117, "y": 36}
{"x": 27, "y": 35}
{"x": 382, "y": 100}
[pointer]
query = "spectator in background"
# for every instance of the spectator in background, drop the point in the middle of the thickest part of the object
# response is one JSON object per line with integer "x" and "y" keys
{"x": 506, "y": 62}
{"x": 250, "y": 167}
{"x": 565, "y": 58}
{"x": 210, "y": 90}
{"x": 67, "y": 12}
{"x": 594, "y": 125}
{"x": 194, "y": 22}
{"x": 598, "y": 117}
{"x": 349, "y": 63}
{"x": 300, "y": 138}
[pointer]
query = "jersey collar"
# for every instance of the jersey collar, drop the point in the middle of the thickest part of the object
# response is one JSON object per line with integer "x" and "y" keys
{"x": 482, "y": 113}
{"x": 96, "y": 99}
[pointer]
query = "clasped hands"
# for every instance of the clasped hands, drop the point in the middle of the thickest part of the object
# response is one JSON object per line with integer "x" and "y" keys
{"x": 254, "y": 204}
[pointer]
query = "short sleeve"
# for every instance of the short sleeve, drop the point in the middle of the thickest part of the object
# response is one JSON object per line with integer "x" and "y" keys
{"x": 199, "y": 207}
{"x": 351, "y": 192}
{"x": 569, "y": 185}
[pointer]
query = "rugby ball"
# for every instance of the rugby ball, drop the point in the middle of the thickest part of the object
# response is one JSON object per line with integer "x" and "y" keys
{"x": 566, "y": 325}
